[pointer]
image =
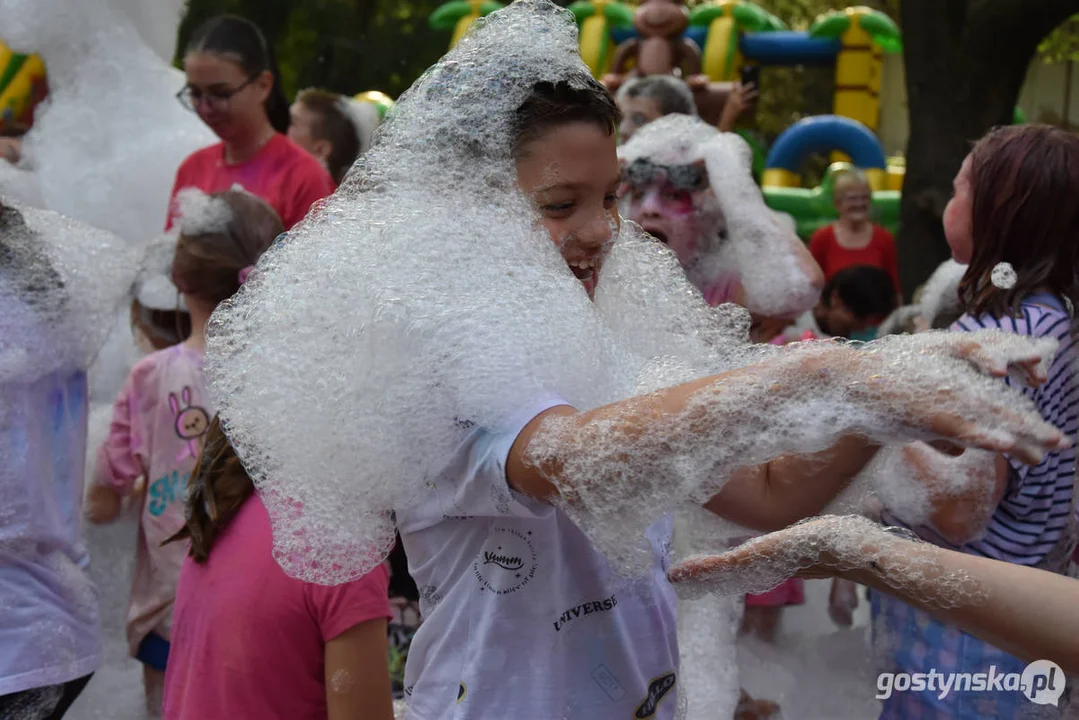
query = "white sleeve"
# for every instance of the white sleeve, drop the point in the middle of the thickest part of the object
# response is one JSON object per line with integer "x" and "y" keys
{"x": 475, "y": 483}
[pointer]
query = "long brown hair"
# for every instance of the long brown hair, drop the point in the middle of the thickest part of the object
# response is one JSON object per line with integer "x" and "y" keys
{"x": 1025, "y": 184}
{"x": 218, "y": 487}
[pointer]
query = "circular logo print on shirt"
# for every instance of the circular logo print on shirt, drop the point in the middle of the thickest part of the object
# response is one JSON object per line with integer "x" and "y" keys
{"x": 507, "y": 561}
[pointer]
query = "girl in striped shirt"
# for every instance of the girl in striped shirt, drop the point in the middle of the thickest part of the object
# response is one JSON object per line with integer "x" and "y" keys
{"x": 1015, "y": 203}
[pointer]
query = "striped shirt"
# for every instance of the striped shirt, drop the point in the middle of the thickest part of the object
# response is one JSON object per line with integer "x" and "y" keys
{"x": 1035, "y": 514}
{"x": 1032, "y": 526}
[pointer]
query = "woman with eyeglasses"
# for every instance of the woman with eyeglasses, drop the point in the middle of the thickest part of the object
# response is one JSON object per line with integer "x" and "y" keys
{"x": 234, "y": 85}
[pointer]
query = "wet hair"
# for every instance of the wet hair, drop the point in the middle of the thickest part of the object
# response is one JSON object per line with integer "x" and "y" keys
{"x": 241, "y": 41}
{"x": 332, "y": 124}
{"x": 1025, "y": 186}
{"x": 207, "y": 265}
{"x": 218, "y": 487}
{"x": 848, "y": 178}
{"x": 670, "y": 93}
{"x": 24, "y": 263}
{"x": 553, "y": 104}
{"x": 866, "y": 291}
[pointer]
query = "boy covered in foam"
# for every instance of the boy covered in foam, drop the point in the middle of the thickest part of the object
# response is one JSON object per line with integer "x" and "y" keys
{"x": 465, "y": 342}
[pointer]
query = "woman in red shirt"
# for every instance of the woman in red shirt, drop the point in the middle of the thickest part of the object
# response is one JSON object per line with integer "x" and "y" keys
{"x": 853, "y": 239}
{"x": 234, "y": 86}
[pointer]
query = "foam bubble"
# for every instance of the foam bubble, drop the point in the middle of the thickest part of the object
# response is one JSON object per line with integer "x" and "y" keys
{"x": 1003, "y": 276}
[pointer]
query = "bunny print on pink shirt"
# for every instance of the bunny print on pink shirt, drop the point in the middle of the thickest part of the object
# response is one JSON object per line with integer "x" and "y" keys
{"x": 191, "y": 423}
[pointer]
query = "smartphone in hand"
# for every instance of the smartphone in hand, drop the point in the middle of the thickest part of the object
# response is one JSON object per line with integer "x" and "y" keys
{"x": 751, "y": 76}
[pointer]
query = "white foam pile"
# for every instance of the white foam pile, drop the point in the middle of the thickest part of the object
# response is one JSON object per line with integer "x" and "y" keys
{"x": 61, "y": 282}
{"x": 424, "y": 298}
{"x": 107, "y": 141}
{"x": 753, "y": 242}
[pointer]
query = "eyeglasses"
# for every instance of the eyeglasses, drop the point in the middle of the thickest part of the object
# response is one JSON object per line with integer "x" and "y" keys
{"x": 190, "y": 97}
{"x": 683, "y": 177}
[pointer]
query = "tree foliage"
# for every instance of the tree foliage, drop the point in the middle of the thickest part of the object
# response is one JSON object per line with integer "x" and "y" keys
{"x": 1063, "y": 44}
{"x": 347, "y": 46}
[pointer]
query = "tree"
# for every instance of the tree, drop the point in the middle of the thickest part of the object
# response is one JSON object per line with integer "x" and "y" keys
{"x": 966, "y": 61}
{"x": 347, "y": 46}
{"x": 1063, "y": 44}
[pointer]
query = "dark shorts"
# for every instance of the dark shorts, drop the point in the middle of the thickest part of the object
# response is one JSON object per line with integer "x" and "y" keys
{"x": 43, "y": 703}
{"x": 154, "y": 652}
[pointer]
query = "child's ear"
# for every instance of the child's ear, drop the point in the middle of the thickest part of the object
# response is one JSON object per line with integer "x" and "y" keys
{"x": 322, "y": 149}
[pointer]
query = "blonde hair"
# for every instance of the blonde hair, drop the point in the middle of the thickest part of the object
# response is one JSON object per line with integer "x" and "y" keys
{"x": 847, "y": 179}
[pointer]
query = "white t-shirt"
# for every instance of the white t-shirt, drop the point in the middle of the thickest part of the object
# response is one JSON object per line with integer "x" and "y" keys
{"x": 49, "y": 630}
{"x": 523, "y": 618}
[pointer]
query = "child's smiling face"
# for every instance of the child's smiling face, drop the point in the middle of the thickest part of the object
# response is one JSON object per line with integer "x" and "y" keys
{"x": 572, "y": 173}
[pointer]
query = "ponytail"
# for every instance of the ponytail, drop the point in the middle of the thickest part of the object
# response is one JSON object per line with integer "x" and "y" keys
{"x": 277, "y": 103}
{"x": 217, "y": 489}
{"x": 241, "y": 41}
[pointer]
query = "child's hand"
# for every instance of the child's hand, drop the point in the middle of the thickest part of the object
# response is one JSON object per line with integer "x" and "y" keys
{"x": 917, "y": 383}
{"x": 995, "y": 352}
{"x": 819, "y": 548}
{"x": 103, "y": 504}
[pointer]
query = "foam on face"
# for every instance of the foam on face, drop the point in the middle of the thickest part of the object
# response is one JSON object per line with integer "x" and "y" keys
{"x": 750, "y": 240}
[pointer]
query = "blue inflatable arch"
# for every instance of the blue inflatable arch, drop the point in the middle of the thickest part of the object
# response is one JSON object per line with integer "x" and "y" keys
{"x": 823, "y": 134}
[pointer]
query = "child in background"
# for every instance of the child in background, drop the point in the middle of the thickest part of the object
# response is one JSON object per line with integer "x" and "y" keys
{"x": 854, "y": 239}
{"x": 235, "y": 607}
{"x": 162, "y": 413}
{"x": 854, "y": 302}
{"x": 1014, "y": 204}
{"x": 334, "y": 129}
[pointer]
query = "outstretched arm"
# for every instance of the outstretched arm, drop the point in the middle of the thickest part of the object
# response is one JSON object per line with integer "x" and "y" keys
{"x": 710, "y": 427}
{"x": 1027, "y": 612}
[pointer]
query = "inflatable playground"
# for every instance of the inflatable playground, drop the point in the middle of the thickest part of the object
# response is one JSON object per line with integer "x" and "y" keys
{"x": 711, "y": 44}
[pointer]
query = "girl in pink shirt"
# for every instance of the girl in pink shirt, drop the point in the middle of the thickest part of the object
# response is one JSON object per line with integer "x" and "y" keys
{"x": 163, "y": 412}
{"x": 251, "y": 642}
{"x": 234, "y": 85}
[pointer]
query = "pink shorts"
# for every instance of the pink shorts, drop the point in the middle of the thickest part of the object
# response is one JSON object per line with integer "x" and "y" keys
{"x": 790, "y": 592}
